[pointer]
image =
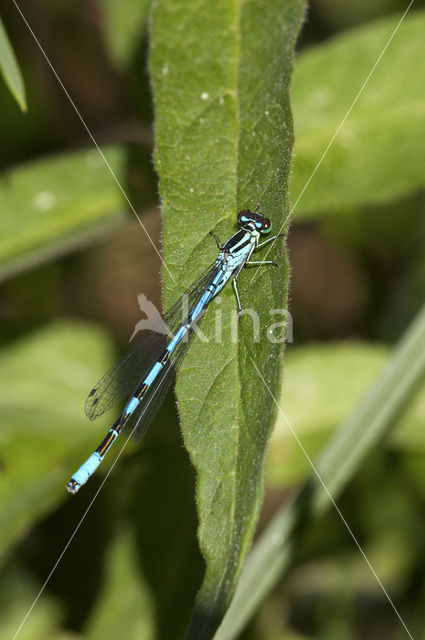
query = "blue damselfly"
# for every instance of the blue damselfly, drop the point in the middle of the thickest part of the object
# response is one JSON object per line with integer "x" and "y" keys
{"x": 149, "y": 366}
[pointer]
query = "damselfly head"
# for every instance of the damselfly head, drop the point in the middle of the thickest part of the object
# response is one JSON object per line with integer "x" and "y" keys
{"x": 254, "y": 221}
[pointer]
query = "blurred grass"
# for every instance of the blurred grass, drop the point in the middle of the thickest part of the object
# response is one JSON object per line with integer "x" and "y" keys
{"x": 10, "y": 71}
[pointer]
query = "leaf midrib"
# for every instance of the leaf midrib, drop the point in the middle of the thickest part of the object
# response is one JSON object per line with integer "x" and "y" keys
{"x": 235, "y": 357}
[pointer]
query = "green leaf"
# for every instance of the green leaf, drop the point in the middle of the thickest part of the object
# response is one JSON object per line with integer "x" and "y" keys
{"x": 125, "y": 601}
{"x": 49, "y": 206}
{"x": 124, "y": 24}
{"x": 223, "y": 143}
{"x": 19, "y": 589}
{"x": 9, "y": 69}
{"x": 340, "y": 460}
{"x": 323, "y": 384}
{"x": 378, "y": 153}
{"x": 44, "y": 379}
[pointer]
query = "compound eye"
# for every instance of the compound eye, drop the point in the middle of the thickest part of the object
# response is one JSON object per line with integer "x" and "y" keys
{"x": 266, "y": 226}
{"x": 243, "y": 215}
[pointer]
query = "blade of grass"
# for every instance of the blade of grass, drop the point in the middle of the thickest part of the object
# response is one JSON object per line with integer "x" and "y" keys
{"x": 340, "y": 460}
{"x": 10, "y": 71}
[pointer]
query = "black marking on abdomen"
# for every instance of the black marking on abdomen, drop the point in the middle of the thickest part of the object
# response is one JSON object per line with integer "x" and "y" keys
{"x": 163, "y": 359}
{"x": 142, "y": 391}
{"x": 106, "y": 443}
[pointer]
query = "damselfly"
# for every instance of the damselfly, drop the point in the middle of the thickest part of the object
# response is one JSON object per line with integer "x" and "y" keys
{"x": 148, "y": 368}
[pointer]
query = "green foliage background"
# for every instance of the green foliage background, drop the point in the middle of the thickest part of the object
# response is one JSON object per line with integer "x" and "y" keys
{"x": 73, "y": 259}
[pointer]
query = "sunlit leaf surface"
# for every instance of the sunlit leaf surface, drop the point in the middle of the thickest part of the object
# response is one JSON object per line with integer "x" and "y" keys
{"x": 378, "y": 154}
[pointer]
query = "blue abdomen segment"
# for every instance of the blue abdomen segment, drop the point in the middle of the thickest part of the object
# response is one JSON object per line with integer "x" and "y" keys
{"x": 88, "y": 467}
{"x": 153, "y": 373}
{"x": 206, "y": 297}
{"x": 177, "y": 338}
{"x": 134, "y": 402}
